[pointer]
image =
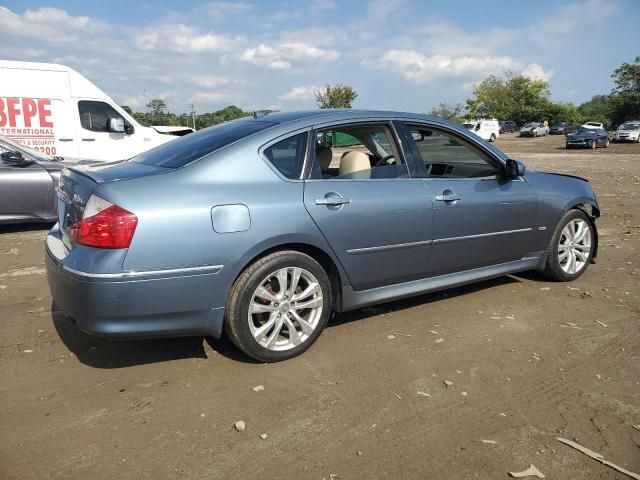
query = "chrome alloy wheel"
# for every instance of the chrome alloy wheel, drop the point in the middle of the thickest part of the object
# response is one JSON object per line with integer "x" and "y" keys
{"x": 574, "y": 246}
{"x": 285, "y": 308}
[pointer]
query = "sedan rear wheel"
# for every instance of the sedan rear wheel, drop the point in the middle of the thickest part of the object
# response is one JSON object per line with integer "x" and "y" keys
{"x": 278, "y": 307}
{"x": 571, "y": 247}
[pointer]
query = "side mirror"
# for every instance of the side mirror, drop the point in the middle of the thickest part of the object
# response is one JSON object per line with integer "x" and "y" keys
{"x": 514, "y": 169}
{"x": 116, "y": 125}
{"x": 477, "y": 127}
{"x": 15, "y": 157}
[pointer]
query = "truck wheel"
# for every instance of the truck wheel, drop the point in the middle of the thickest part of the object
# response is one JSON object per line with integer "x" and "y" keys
{"x": 571, "y": 247}
{"x": 492, "y": 138}
{"x": 279, "y": 306}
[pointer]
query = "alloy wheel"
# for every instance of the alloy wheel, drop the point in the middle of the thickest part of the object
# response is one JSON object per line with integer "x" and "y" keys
{"x": 574, "y": 246}
{"x": 285, "y": 309}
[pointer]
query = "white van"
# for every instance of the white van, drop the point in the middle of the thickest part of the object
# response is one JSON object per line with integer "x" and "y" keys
{"x": 486, "y": 129}
{"x": 54, "y": 109}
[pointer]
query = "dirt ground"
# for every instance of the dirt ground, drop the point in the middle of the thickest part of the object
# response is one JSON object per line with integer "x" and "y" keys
{"x": 528, "y": 361}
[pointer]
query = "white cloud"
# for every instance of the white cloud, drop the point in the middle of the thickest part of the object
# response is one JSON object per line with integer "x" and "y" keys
{"x": 300, "y": 93}
{"x": 183, "y": 39}
{"x": 52, "y": 24}
{"x": 220, "y": 10}
{"x": 214, "y": 97}
{"x": 419, "y": 68}
{"x": 321, "y": 6}
{"x": 536, "y": 72}
{"x": 287, "y": 55}
{"x": 209, "y": 81}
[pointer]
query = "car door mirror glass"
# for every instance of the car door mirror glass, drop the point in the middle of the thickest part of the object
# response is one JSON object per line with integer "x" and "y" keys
{"x": 514, "y": 169}
{"x": 115, "y": 125}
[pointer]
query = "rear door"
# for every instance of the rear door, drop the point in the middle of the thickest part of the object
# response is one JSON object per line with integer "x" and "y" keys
{"x": 376, "y": 217}
{"x": 25, "y": 191}
{"x": 480, "y": 218}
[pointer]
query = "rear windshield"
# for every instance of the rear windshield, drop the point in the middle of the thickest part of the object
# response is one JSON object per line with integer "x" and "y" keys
{"x": 184, "y": 150}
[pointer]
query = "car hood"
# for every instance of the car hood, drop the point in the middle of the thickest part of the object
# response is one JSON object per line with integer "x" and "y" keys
{"x": 627, "y": 131}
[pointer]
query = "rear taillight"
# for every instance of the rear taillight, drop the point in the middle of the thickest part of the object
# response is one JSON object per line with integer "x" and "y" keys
{"x": 104, "y": 225}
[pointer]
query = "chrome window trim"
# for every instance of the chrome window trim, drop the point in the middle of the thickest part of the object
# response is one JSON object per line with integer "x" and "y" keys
{"x": 205, "y": 269}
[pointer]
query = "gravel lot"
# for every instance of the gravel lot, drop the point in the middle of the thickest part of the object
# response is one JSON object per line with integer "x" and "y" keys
{"x": 528, "y": 361}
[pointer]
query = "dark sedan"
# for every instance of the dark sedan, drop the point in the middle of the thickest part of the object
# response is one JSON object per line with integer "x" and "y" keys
{"x": 28, "y": 184}
{"x": 508, "y": 126}
{"x": 562, "y": 128}
{"x": 588, "y": 138}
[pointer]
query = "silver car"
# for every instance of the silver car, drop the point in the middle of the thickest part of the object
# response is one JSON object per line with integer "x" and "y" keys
{"x": 534, "y": 129}
{"x": 263, "y": 227}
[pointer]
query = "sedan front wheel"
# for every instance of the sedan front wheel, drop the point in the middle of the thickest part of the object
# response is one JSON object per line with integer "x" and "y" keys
{"x": 571, "y": 247}
{"x": 278, "y": 306}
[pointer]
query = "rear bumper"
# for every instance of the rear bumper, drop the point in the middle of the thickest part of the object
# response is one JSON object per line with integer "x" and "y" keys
{"x": 135, "y": 304}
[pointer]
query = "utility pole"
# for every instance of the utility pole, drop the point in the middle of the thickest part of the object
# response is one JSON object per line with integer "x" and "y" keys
{"x": 193, "y": 114}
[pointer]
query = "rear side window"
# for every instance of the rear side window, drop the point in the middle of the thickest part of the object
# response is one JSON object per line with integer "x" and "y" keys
{"x": 288, "y": 155}
{"x": 184, "y": 150}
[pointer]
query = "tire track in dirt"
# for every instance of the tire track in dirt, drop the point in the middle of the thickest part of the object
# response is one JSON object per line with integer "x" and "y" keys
{"x": 455, "y": 419}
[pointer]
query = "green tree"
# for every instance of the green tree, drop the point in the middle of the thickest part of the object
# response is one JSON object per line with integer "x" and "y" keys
{"x": 453, "y": 113}
{"x": 512, "y": 97}
{"x": 338, "y": 96}
{"x": 157, "y": 106}
{"x": 127, "y": 109}
{"x": 598, "y": 109}
{"x": 625, "y": 97}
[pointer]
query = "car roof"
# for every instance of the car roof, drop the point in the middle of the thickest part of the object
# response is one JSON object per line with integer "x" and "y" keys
{"x": 311, "y": 117}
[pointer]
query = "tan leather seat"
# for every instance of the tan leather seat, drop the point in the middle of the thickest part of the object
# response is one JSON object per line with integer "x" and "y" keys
{"x": 353, "y": 161}
{"x": 325, "y": 155}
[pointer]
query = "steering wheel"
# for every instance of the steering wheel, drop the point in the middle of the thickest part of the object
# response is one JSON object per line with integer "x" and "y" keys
{"x": 383, "y": 161}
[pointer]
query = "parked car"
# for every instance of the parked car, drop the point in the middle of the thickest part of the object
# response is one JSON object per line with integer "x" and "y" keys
{"x": 627, "y": 132}
{"x": 562, "y": 128}
{"x": 508, "y": 126}
{"x": 534, "y": 129}
{"x": 280, "y": 235}
{"x": 56, "y": 110}
{"x": 486, "y": 129}
{"x": 588, "y": 138}
{"x": 593, "y": 125}
{"x": 28, "y": 183}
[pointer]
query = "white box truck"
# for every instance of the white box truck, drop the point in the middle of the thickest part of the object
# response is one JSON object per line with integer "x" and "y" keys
{"x": 487, "y": 129}
{"x": 54, "y": 109}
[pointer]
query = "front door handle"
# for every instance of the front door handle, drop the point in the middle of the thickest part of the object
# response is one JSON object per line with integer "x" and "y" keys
{"x": 332, "y": 201}
{"x": 448, "y": 197}
{"x": 88, "y": 139}
{"x": 66, "y": 139}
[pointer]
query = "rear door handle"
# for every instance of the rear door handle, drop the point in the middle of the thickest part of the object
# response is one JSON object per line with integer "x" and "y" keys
{"x": 65, "y": 139}
{"x": 332, "y": 201}
{"x": 88, "y": 139}
{"x": 448, "y": 197}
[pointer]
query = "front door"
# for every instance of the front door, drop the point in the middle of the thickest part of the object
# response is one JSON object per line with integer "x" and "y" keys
{"x": 376, "y": 218}
{"x": 480, "y": 218}
{"x": 96, "y": 142}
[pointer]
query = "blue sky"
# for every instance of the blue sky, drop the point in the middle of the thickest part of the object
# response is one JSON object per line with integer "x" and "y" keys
{"x": 398, "y": 54}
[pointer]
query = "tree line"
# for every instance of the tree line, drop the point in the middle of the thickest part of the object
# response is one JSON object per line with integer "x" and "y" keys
{"x": 511, "y": 96}
{"x": 522, "y": 99}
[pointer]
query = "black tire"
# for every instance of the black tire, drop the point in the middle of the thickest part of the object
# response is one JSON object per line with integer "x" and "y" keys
{"x": 606, "y": 145}
{"x": 492, "y": 138}
{"x": 237, "y": 308}
{"x": 593, "y": 145}
{"x": 535, "y": 134}
{"x": 567, "y": 146}
{"x": 553, "y": 269}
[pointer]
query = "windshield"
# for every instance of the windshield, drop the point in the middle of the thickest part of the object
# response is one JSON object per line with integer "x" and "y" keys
{"x": 629, "y": 126}
{"x": 184, "y": 150}
{"x": 9, "y": 145}
{"x": 531, "y": 124}
{"x": 585, "y": 130}
{"x": 468, "y": 126}
{"x": 593, "y": 124}
{"x": 558, "y": 125}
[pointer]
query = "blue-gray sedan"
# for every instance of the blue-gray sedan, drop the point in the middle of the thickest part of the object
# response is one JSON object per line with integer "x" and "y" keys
{"x": 264, "y": 226}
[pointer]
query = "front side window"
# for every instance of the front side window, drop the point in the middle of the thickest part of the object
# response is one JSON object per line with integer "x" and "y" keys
{"x": 357, "y": 152}
{"x": 288, "y": 155}
{"x": 446, "y": 155}
{"x": 94, "y": 116}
